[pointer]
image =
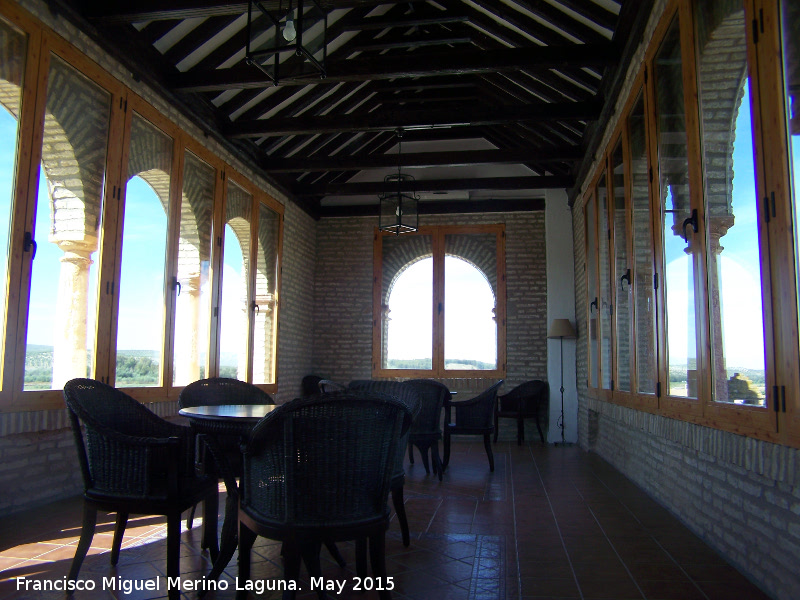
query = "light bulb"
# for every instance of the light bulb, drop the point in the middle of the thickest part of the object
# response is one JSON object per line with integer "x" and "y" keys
{"x": 289, "y": 32}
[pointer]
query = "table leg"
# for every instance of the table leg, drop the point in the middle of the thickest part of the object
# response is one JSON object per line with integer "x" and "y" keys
{"x": 229, "y": 536}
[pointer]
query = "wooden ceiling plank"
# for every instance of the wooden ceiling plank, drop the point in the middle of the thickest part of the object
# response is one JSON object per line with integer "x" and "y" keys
{"x": 592, "y": 11}
{"x": 547, "y": 12}
{"x": 197, "y": 37}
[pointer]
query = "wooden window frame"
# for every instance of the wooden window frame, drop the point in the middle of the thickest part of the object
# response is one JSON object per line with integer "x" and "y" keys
{"x": 779, "y": 421}
{"x": 438, "y": 234}
{"x": 41, "y": 43}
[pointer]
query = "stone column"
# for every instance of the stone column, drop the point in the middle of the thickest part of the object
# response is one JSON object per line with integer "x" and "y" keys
{"x": 262, "y": 342}
{"x": 187, "y": 332}
{"x": 69, "y": 338}
{"x": 718, "y": 226}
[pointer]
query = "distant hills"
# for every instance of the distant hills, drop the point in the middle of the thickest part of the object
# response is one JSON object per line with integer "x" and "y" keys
{"x": 134, "y": 367}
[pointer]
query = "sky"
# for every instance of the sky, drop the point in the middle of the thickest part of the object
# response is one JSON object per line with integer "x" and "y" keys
{"x": 739, "y": 266}
{"x": 470, "y": 331}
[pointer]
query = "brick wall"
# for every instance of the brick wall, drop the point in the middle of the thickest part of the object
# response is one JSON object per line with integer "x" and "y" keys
{"x": 296, "y": 320}
{"x": 343, "y": 307}
{"x": 739, "y": 494}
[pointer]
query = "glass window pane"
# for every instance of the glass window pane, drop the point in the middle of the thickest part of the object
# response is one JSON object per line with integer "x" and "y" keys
{"x": 644, "y": 293}
{"x": 407, "y": 302}
{"x": 679, "y": 254}
{"x": 734, "y": 258}
{"x": 604, "y": 264}
{"x": 470, "y": 301}
{"x": 63, "y": 294}
{"x": 193, "y": 309}
{"x": 140, "y": 324}
{"x": 13, "y": 45}
{"x": 623, "y": 286}
{"x": 790, "y": 21}
{"x": 235, "y": 284}
{"x": 591, "y": 289}
{"x": 265, "y": 319}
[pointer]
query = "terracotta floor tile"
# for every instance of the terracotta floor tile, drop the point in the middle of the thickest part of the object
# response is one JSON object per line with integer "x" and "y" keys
{"x": 548, "y": 523}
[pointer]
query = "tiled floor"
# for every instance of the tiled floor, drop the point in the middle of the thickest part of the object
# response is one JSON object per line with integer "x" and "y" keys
{"x": 550, "y": 522}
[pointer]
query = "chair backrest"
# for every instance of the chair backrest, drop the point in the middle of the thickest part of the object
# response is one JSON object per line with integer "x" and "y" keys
{"x": 113, "y": 454}
{"x": 432, "y": 396}
{"x": 327, "y": 385}
{"x": 222, "y": 390}
{"x": 310, "y": 385}
{"x": 516, "y": 399}
{"x": 324, "y": 460}
{"x": 480, "y": 411}
{"x": 404, "y": 393}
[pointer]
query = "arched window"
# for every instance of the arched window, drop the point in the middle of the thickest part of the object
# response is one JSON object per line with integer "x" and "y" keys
{"x": 441, "y": 303}
{"x": 142, "y": 294}
{"x": 140, "y": 322}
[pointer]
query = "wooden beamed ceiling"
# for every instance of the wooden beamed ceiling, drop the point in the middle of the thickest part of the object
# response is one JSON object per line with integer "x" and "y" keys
{"x": 496, "y": 101}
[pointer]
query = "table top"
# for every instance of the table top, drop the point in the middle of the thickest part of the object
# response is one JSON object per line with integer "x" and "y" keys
{"x": 228, "y": 412}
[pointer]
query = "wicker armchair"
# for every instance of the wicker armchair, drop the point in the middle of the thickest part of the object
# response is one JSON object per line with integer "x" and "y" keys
{"x": 327, "y": 385}
{"x": 409, "y": 396}
{"x": 216, "y": 391}
{"x": 134, "y": 462}
{"x": 318, "y": 469}
{"x": 426, "y": 430}
{"x": 524, "y": 401}
{"x": 310, "y": 385}
{"x": 472, "y": 417}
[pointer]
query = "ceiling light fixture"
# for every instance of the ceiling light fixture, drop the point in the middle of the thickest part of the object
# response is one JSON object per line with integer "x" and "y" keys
{"x": 399, "y": 202}
{"x": 302, "y": 31}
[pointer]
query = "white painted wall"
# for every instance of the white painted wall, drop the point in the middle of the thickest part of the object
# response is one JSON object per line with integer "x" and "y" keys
{"x": 560, "y": 305}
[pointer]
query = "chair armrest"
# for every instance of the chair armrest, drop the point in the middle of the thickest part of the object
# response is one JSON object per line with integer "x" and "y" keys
{"x": 131, "y": 465}
{"x": 464, "y": 403}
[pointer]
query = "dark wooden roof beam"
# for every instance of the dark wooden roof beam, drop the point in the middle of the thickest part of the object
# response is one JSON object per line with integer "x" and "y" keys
{"x": 422, "y": 159}
{"x": 381, "y": 23}
{"x": 387, "y": 120}
{"x": 435, "y": 64}
{"x": 413, "y": 42}
{"x": 441, "y": 185}
{"x": 135, "y": 11}
{"x": 442, "y": 207}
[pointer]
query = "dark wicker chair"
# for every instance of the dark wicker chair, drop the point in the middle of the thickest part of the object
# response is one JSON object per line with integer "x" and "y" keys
{"x": 522, "y": 402}
{"x": 472, "y": 417}
{"x": 409, "y": 396}
{"x": 327, "y": 386}
{"x": 310, "y": 385}
{"x": 426, "y": 430}
{"x": 216, "y": 391}
{"x": 318, "y": 469}
{"x": 134, "y": 462}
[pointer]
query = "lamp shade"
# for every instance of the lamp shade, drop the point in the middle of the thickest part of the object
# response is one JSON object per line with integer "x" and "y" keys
{"x": 561, "y": 328}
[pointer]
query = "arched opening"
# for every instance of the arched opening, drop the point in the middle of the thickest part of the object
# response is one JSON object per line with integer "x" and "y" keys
{"x": 140, "y": 323}
{"x": 470, "y": 329}
{"x": 409, "y": 317}
{"x": 233, "y": 318}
